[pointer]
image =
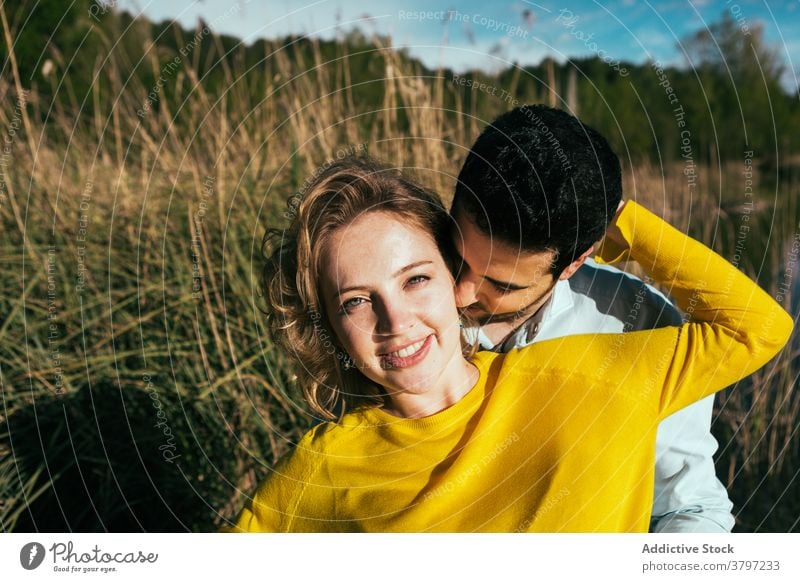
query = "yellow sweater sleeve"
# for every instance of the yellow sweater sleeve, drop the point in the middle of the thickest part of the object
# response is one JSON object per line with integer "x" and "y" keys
{"x": 735, "y": 327}
{"x": 291, "y": 498}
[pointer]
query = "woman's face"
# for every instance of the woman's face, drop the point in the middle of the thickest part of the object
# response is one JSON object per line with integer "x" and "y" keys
{"x": 390, "y": 301}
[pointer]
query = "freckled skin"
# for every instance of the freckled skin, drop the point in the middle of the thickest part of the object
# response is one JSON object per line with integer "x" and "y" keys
{"x": 385, "y": 287}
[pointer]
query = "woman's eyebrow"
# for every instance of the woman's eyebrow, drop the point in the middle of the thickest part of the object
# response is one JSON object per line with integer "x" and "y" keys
{"x": 344, "y": 290}
{"x": 411, "y": 266}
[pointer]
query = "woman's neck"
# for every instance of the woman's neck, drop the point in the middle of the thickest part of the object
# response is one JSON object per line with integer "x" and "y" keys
{"x": 454, "y": 386}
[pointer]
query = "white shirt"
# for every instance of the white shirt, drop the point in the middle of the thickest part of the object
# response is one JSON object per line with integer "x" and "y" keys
{"x": 601, "y": 299}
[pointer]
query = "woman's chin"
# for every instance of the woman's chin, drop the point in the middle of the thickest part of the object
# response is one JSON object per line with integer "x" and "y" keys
{"x": 421, "y": 385}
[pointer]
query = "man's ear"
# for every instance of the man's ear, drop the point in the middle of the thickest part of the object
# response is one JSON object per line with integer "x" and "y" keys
{"x": 575, "y": 265}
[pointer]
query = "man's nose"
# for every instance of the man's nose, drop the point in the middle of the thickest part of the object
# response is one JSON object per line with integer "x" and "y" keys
{"x": 466, "y": 292}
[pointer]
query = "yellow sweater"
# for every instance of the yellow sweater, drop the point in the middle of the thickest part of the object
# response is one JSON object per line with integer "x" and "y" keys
{"x": 556, "y": 437}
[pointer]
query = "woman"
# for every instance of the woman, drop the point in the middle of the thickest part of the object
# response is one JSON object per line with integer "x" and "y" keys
{"x": 558, "y": 436}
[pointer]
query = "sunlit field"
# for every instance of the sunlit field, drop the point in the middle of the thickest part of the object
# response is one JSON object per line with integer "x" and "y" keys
{"x": 140, "y": 390}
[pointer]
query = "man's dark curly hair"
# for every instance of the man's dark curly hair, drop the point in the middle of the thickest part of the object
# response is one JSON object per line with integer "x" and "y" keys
{"x": 538, "y": 179}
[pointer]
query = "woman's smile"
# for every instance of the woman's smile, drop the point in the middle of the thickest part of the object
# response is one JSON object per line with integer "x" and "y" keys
{"x": 408, "y": 356}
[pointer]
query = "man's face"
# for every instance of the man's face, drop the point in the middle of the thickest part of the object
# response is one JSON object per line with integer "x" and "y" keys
{"x": 497, "y": 282}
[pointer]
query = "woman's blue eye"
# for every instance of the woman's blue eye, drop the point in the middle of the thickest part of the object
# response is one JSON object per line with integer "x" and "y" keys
{"x": 351, "y": 304}
{"x": 417, "y": 279}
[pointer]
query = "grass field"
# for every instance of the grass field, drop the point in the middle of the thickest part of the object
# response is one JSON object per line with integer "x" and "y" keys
{"x": 139, "y": 388}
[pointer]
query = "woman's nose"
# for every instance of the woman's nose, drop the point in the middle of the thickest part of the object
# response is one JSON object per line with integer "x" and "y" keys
{"x": 394, "y": 317}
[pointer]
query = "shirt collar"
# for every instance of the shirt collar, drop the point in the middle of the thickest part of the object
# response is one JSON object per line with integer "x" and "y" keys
{"x": 560, "y": 301}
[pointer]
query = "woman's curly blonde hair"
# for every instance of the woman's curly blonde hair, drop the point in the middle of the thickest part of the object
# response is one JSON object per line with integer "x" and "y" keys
{"x": 290, "y": 278}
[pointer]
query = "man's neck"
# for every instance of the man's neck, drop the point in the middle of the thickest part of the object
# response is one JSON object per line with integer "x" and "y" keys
{"x": 497, "y": 332}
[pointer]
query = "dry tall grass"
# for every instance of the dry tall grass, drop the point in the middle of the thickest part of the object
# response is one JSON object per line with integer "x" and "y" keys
{"x": 130, "y": 247}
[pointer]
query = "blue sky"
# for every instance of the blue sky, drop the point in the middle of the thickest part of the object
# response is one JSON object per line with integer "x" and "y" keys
{"x": 490, "y": 35}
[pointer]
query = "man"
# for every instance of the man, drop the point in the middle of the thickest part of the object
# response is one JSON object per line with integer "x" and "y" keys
{"x": 537, "y": 190}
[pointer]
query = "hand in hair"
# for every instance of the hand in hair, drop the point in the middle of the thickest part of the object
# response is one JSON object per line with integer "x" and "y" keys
{"x": 613, "y": 241}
